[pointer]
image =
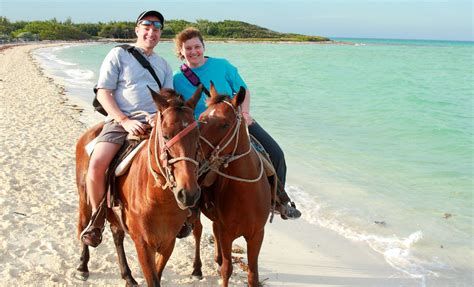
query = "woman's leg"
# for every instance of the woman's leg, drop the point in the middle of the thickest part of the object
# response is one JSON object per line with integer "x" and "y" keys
{"x": 287, "y": 208}
{"x": 272, "y": 148}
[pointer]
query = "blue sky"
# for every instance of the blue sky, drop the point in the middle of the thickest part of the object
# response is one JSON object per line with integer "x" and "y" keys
{"x": 396, "y": 19}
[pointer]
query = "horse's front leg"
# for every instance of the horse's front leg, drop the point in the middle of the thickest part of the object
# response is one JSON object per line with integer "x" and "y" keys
{"x": 164, "y": 255}
{"x": 253, "y": 250}
{"x": 146, "y": 258}
{"x": 225, "y": 242}
{"x": 217, "y": 246}
{"x": 197, "y": 264}
{"x": 119, "y": 235}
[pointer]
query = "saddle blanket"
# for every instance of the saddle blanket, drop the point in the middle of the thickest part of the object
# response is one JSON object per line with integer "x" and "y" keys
{"x": 125, "y": 163}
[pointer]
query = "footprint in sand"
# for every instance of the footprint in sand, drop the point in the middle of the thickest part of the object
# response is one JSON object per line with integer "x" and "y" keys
{"x": 14, "y": 272}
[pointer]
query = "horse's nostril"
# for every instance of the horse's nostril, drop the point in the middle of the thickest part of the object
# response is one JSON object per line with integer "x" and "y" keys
{"x": 181, "y": 196}
{"x": 186, "y": 198}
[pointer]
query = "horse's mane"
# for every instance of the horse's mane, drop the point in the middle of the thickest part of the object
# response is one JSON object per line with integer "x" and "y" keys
{"x": 215, "y": 100}
{"x": 174, "y": 99}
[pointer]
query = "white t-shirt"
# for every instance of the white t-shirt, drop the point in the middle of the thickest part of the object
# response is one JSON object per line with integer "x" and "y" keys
{"x": 122, "y": 73}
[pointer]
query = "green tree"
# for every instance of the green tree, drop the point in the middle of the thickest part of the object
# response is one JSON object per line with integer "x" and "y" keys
{"x": 68, "y": 21}
{"x": 6, "y": 27}
{"x": 176, "y": 26}
{"x": 118, "y": 30}
{"x": 28, "y": 36}
{"x": 4, "y": 38}
{"x": 67, "y": 30}
{"x": 89, "y": 28}
{"x": 53, "y": 30}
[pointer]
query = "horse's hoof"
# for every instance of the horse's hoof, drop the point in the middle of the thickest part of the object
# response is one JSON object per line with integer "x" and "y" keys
{"x": 197, "y": 276}
{"x": 81, "y": 275}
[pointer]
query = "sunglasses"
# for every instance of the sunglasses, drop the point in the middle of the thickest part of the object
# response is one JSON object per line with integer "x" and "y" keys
{"x": 147, "y": 23}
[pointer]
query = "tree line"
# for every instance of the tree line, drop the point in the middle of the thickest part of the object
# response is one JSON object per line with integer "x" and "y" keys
{"x": 67, "y": 30}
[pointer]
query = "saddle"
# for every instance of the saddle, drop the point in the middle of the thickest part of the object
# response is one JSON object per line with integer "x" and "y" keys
{"x": 269, "y": 170}
{"x": 262, "y": 153}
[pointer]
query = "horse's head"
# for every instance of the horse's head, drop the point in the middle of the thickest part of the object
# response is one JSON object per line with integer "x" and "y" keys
{"x": 221, "y": 123}
{"x": 174, "y": 145}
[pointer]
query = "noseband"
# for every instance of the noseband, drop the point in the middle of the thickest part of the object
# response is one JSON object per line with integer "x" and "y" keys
{"x": 216, "y": 160}
{"x": 165, "y": 152}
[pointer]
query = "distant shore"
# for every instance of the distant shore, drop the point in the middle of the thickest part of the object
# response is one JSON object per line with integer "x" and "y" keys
{"x": 233, "y": 41}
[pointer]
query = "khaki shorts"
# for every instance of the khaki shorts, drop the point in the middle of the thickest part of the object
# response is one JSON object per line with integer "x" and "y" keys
{"x": 112, "y": 133}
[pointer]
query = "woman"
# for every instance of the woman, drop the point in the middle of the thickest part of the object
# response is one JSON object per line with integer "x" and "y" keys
{"x": 189, "y": 46}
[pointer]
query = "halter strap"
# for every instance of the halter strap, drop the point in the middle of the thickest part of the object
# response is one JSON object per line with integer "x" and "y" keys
{"x": 179, "y": 136}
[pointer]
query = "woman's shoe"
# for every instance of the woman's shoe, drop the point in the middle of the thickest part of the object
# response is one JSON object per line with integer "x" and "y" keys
{"x": 288, "y": 211}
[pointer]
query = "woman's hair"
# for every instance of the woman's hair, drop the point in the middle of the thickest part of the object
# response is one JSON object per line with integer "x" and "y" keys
{"x": 183, "y": 36}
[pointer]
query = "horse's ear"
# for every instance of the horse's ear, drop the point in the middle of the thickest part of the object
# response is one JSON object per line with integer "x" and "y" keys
{"x": 160, "y": 102}
{"x": 239, "y": 98}
{"x": 212, "y": 90}
{"x": 192, "y": 102}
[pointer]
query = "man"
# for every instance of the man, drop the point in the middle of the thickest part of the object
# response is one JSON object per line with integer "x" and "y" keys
{"x": 122, "y": 90}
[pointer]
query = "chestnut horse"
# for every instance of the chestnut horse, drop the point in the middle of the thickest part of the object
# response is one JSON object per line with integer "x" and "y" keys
{"x": 234, "y": 182}
{"x": 159, "y": 186}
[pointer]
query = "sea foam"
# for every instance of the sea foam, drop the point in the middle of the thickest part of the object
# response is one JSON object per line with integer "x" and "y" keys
{"x": 397, "y": 251}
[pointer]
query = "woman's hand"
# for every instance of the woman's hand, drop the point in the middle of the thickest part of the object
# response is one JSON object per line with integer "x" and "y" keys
{"x": 134, "y": 127}
{"x": 248, "y": 118}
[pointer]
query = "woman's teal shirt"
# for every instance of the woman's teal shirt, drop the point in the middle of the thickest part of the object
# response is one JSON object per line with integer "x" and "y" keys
{"x": 223, "y": 74}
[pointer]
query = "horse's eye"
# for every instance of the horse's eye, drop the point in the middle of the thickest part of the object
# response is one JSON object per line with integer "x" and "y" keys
{"x": 225, "y": 126}
{"x": 166, "y": 137}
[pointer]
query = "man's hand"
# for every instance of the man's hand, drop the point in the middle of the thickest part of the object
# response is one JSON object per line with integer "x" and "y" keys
{"x": 151, "y": 120}
{"x": 134, "y": 127}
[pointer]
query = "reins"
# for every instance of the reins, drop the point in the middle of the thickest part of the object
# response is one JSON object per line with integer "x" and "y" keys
{"x": 216, "y": 160}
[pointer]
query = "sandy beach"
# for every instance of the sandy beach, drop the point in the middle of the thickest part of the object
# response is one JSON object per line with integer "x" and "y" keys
{"x": 38, "y": 207}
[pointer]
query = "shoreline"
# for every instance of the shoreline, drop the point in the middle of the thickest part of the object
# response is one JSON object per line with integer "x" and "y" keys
{"x": 170, "y": 40}
{"x": 38, "y": 187}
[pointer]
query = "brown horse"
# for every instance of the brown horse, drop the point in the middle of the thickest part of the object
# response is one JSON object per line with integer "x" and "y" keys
{"x": 159, "y": 186}
{"x": 234, "y": 184}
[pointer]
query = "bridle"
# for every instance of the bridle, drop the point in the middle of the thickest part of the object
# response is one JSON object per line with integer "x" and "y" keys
{"x": 216, "y": 160}
{"x": 165, "y": 153}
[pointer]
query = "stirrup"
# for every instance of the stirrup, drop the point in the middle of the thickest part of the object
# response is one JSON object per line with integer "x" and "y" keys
{"x": 92, "y": 237}
{"x": 92, "y": 234}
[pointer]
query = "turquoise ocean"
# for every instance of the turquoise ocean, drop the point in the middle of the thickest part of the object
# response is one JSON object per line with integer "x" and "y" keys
{"x": 377, "y": 134}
